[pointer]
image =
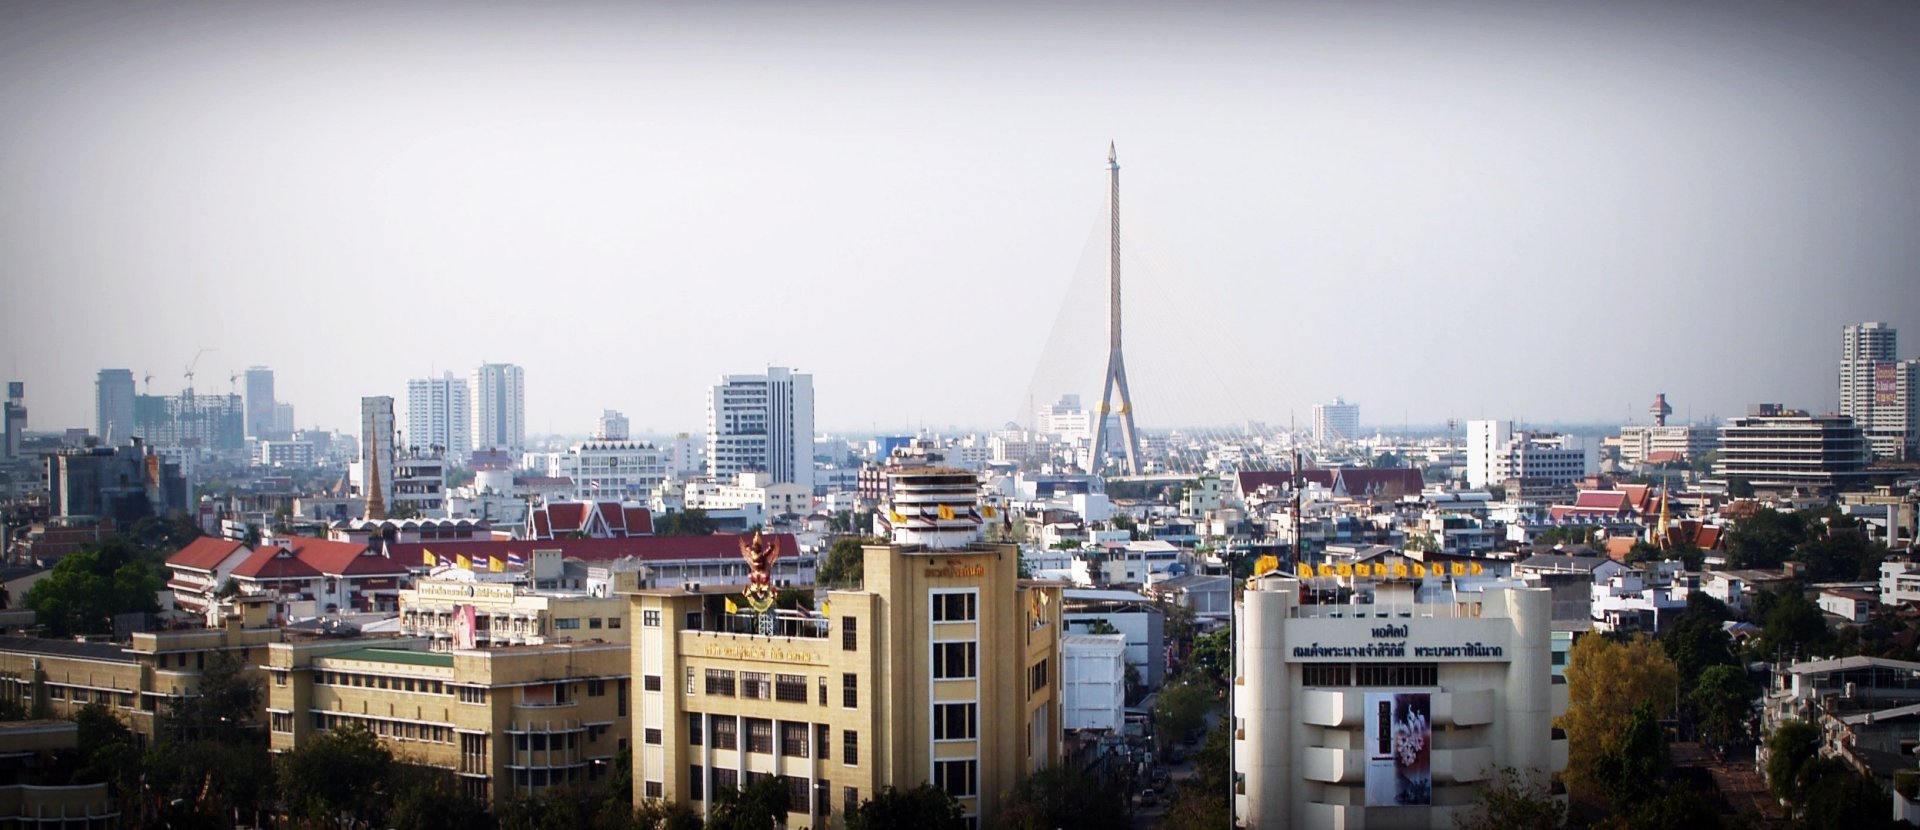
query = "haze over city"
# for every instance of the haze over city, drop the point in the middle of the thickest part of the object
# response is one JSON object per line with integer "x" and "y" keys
{"x": 1486, "y": 210}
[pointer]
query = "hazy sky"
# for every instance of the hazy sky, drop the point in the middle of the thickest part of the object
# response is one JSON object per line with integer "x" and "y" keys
{"x": 1540, "y": 210}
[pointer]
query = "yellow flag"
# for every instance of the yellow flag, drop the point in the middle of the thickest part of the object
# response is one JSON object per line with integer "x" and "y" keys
{"x": 1419, "y": 570}
{"x": 731, "y": 607}
{"x": 1344, "y": 569}
{"x": 1400, "y": 569}
{"x": 896, "y": 517}
{"x": 496, "y": 564}
{"x": 1361, "y": 569}
{"x": 946, "y": 512}
{"x": 989, "y": 511}
{"x": 826, "y": 609}
{"x": 1265, "y": 564}
{"x": 462, "y": 560}
{"x": 1327, "y": 569}
{"x": 1459, "y": 569}
{"x": 426, "y": 557}
{"x": 1474, "y": 568}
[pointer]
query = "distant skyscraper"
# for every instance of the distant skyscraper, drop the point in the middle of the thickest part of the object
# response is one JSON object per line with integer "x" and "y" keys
{"x": 376, "y": 449}
{"x": 499, "y": 408}
{"x": 438, "y": 413}
{"x": 282, "y": 418}
{"x": 1861, "y": 346}
{"x": 1336, "y": 422}
{"x": 113, "y": 406}
{"x": 15, "y": 420}
{"x": 260, "y": 403}
{"x": 761, "y": 422}
{"x": 612, "y": 426}
{"x": 1484, "y": 440}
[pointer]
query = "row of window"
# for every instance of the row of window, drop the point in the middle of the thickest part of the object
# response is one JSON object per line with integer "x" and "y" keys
{"x": 729, "y": 779}
{"x": 1370, "y": 674}
{"x": 794, "y": 737}
{"x": 573, "y": 623}
{"x": 377, "y": 681}
{"x": 791, "y": 688}
{"x": 395, "y": 729}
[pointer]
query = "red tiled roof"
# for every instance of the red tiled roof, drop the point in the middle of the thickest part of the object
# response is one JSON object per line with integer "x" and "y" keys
{"x": 639, "y": 521}
{"x": 1389, "y": 482}
{"x": 266, "y": 563}
{"x": 566, "y": 516}
{"x": 321, "y": 556}
{"x": 1601, "y": 500}
{"x": 645, "y": 548}
{"x": 204, "y": 553}
{"x": 1283, "y": 479}
{"x": 1639, "y": 496}
{"x": 540, "y": 526}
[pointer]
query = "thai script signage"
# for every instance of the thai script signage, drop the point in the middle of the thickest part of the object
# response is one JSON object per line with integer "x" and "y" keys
{"x": 774, "y": 653}
{"x": 463, "y": 592}
{"x": 1392, "y": 641}
{"x": 954, "y": 569}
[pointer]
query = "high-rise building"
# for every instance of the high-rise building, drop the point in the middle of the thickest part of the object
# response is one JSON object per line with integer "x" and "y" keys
{"x": 260, "y": 403}
{"x": 282, "y": 418}
{"x": 376, "y": 451}
{"x": 1496, "y": 453}
{"x": 1779, "y": 448}
{"x": 1861, "y": 346}
{"x": 499, "y": 408}
{"x": 13, "y": 420}
{"x": 1484, "y": 438}
{"x": 1335, "y": 423}
{"x": 438, "y": 413}
{"x": 612, "y": 426}
{"x": 113, "y": 406}
{"x": 761, "y": 423}
{"x": 198, "y": 424}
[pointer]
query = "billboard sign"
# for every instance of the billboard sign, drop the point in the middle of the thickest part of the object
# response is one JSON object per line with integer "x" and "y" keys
{"x": 1399, "y": 749}
{"x": 1886, "y": 384}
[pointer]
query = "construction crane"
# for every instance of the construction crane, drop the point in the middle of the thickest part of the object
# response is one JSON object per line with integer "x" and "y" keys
{"x": 147, "y": 384}
{"x": 190, "y": 367}
{"x": 233, "y": 383}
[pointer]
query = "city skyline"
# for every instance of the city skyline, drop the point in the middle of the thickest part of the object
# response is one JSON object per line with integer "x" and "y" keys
{"x": 1380, "y": 183}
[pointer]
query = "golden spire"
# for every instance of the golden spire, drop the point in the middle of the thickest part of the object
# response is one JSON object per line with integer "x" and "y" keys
{"x": 376, "y": 496}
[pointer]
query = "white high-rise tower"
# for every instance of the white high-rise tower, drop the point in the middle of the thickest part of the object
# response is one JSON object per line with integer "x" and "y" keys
{"x": 499, "y": 408}
{"x": 761, "y": 423}
{"x": 439, "y": 412}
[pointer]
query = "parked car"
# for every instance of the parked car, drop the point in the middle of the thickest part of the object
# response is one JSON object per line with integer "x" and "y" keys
{"x": 1148, "y": 798}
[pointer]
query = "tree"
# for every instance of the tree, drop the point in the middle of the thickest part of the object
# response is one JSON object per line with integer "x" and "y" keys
{"x": 430, "y": 798}
{"x": 690, "y": 522}
{"x": 1793, "y": 624}
{"x": 225, "y": 706}
{"x": 1836, "y": 797}
{"x": 925, "y": 806}
{"x": 1695, "y": 639}
{"x": 1213, "y": 657}
{"x": 1764, "y": 539}
{"x": 337, "y": 773}
{"x": 1062, "y": 797}
{"x": 1633, "y": 763}
{"x": 845, "y": 562}
{"x": 1181, "y": 709}
{"x": 760, "y": 806}
{"x": 1790, "y": 749}
{"x": 1606, "y": 680}
{"x": 1723, "y": 698}
{"x": 1513, "y": 802}
{"x": 88, "y": 588}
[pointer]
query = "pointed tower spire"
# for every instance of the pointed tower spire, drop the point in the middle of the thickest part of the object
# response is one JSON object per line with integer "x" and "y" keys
{"x": 376, "y": 495}
{"x": 1116, "y": 366}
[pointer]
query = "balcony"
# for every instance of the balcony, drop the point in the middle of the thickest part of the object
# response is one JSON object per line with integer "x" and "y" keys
{"x": 1557, "y": 697}
{"x": 1333, "y": 766}
{"x": 1460, "y": 766}
{"x": 1557, "y": 750}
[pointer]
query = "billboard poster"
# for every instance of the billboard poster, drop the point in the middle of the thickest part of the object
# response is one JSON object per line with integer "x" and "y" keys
{"x": 1399, "y": 749}
{"x": 1886, "y": 384}
{"x": 464, "y": 623}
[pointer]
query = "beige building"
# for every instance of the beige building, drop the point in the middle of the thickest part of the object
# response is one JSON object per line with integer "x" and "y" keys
{"x": 139, "y": 680}
{"x": 36, "y": 758}
{"x": 1391, "y": 714}
{"x": 942, "y": 668}
{"x": 510, "y": 721}
{"x": 506, "y": 613}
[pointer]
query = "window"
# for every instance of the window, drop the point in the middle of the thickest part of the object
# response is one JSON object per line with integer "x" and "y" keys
{"x": 594, "y": 622}
{"x": 849, "y": 634}
{"x": 650, "y": 619}
{"x": 693, "y": 621}
{"x": 1037, "y": 675}
{"x": 955, "y": 721}
{"x": 693, "y": 729}
{"x": 850, "y": 691}
{"x": 797, "y": 794}
{"x": 282, "y": 722}
{"x": 566, "y": 623}
{"x": 759, "y": 735}
{"x": 955, "y": 607}
{"x": 956, "y": 777}
{"x": 726, "y": 734}
{"x": 1396, "y": 674}
{"x": 596, "y": 688}
{"x": 851, "y": 803}
{"x": 756, "y": 685}
{"x": 651, "y": 736}
{"x": 790, "y": 687}
{"x": 954, "y": 661}
{"x": 1326, "y": 674}
{"x": 822, "y": 742}
{"x": 823, "y": 797}
{"x": 280, "y": 678}
{"x": 650, "y": 682}
{"x": 793, "y": 738}
{"x": 725, "y": 779}
{"x": 689, "y": 680}
{"x": 850, "y": 747}
{"x": 614, "y": 622}
{"x": 696, "y": 782}
{"x": 823, "y": 691}
{"x": 654, "y": 790}
{"x": 720, "y": 682}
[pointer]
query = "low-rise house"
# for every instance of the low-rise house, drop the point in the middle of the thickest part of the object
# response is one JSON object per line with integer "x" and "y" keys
{"x": 1849, "y": 605}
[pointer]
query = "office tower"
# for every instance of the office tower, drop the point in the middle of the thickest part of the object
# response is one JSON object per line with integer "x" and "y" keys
{"x": 15, "y": 420}
{"x": 1336, "y": 422}
{"x": 438, "y": 413}
{"x": 1778, "y": 448}
{"x": 1861, "y": 346}
{"x": 376, "y": 453}
{"x": 612, "y": 426}
{"x": 113, "y": 406}
{"x": 282, "y": 418}
{"x": 260, "y": 403}
{"x": 499, "y": 408}
{"x": 1484, "y": 439}
{"x": 761, "y": 423}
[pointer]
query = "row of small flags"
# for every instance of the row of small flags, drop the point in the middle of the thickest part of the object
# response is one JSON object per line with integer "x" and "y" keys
{"x": 491, "y": 563}
{"x": 945, "y": 512}
{"x": 1398, "y": 569}
{"x": 826, "y": 608}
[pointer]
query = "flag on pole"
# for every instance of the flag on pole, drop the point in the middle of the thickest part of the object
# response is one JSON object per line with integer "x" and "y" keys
{"x": 427, "y": 557}
{"x": 826, "y": 609}
{"x": 1419, "y": 570}
{"x": 1400, "y": 569}
{"x": 496, "y": 564}
{"x": 1474, "y": 568}
{"x": 946, "y": 512}
{"x": 462, "y": 560}
{"x": 514, "y": 560}
{"x": 731, "y": 607}
{"x": 1459, "y": 569}
{"x": 1344, "y": 569}
{"x": 989, "y": 511}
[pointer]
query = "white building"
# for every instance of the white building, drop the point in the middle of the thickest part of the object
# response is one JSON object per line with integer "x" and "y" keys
{"x": 612, "y": 426}
{"x": 418, "y": 485}
{"x": 753, "y": 492}
{"x": 1335, "y": 423}
{"x": 1064, "y": 421}
{"x": 259, "y": 403}
{"x": 499, "y": 408}
{"x": 439, "y": 414}
{"x": 284, "y": 454}
{"x": 618, "y": 470}
{"x": 1861, "y": 346}
{"x": 1133, "y": 616}
{"x": 1484, "y": 438}
{"x": 1497, "y": 453}
{"x": 1336, "y": 707}
{"x": 1654, "y": 444}
{"x": 1899, "y": 581}
{"x": 1093, "y": 681}
{"x": 761, "y": 423}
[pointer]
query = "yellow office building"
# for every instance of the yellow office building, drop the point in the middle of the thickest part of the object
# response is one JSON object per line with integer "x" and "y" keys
{"x": 942, "y": 668}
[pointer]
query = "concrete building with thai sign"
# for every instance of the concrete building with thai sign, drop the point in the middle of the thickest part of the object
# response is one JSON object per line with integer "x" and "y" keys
{"x": 507, "y": 613}
{"x": 1391, "y": 714}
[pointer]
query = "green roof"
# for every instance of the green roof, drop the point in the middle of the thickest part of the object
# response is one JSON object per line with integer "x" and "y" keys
{"x": 395, "y": 655}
